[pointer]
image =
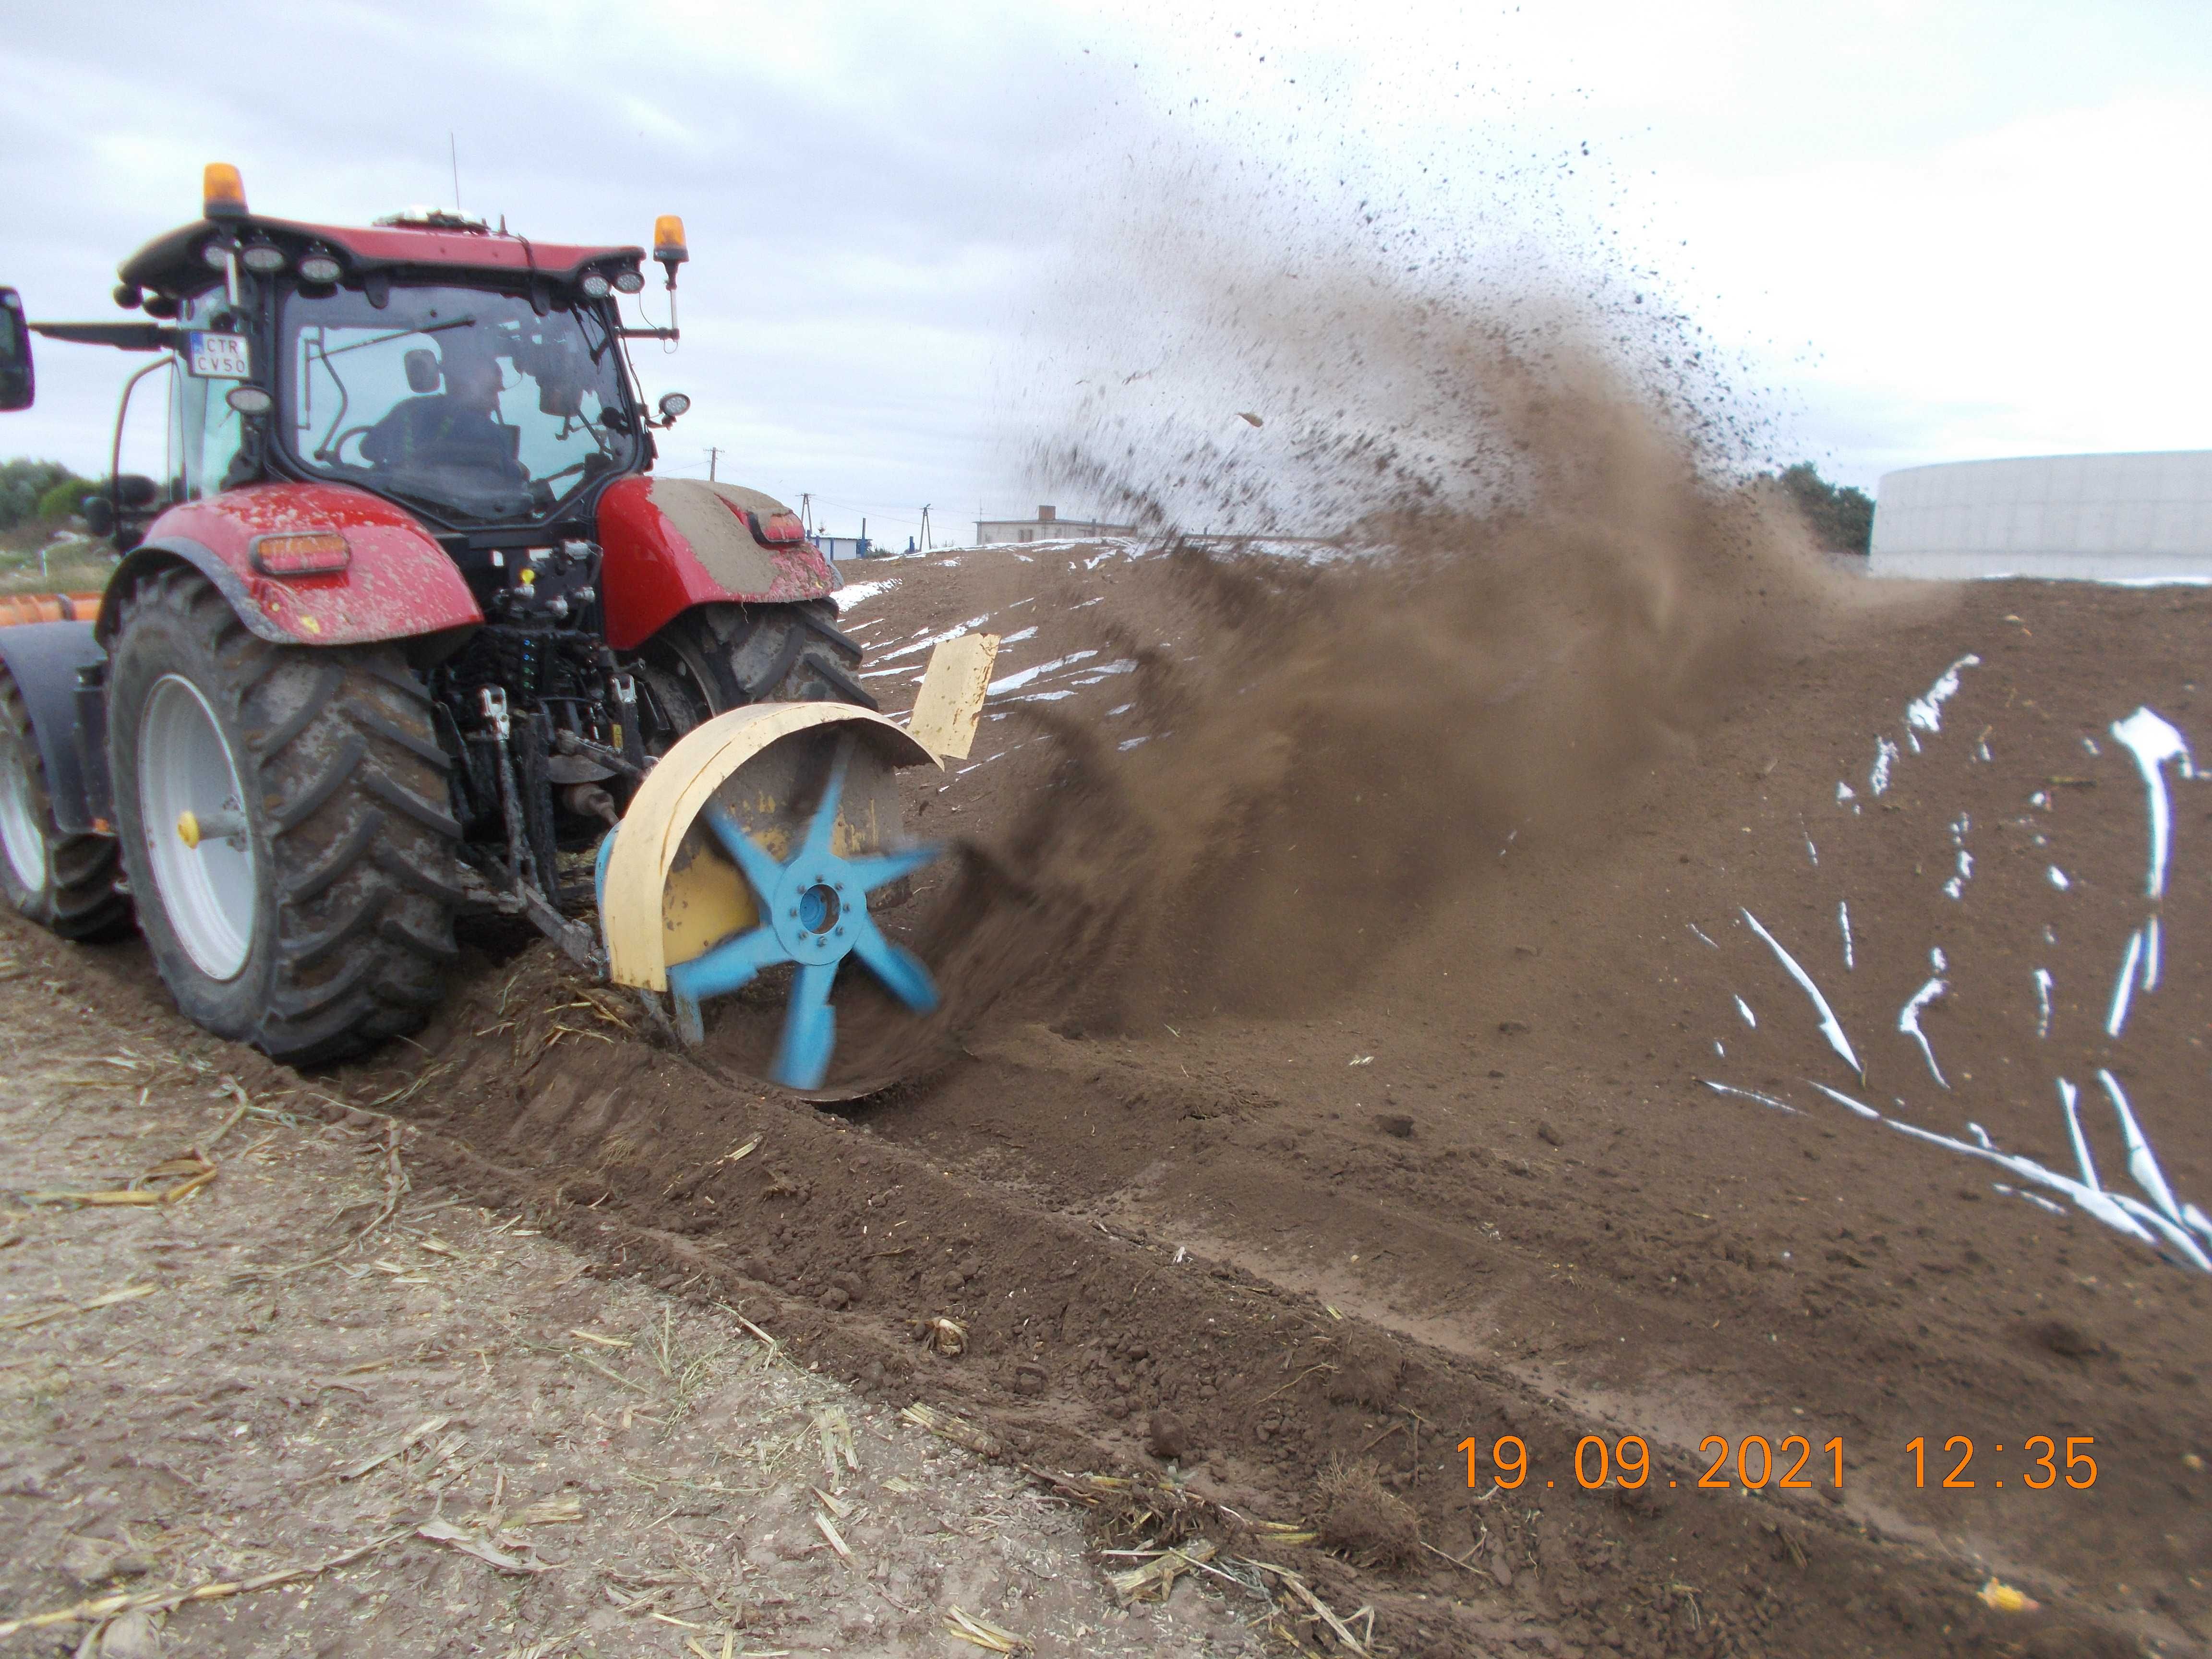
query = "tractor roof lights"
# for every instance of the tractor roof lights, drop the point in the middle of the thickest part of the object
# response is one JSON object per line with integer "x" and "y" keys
{"x": 222, "y": 192}
{"x": 262, "y": 259}
{"x": 668, "y": 244}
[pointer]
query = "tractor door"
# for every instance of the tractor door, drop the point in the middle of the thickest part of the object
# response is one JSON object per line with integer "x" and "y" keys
{"x": 206, "y": 435}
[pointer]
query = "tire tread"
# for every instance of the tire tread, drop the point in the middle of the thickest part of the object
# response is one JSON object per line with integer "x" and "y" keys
{"x": 348, "y": 769}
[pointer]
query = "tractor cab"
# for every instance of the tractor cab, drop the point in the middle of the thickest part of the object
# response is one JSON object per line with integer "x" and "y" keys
{"x": 474, "y": 377}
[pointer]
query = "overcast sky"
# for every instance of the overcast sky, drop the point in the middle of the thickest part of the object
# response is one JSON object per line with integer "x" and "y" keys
{"x": 1911, "y": 232}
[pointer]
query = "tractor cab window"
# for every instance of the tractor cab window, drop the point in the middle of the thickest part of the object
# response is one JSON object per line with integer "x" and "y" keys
{"x": 464, "y": 400}
{"x": 205, "y": 432}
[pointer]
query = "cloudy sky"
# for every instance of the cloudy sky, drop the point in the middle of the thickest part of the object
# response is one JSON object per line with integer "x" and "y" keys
{"x": 1909, "y": 232}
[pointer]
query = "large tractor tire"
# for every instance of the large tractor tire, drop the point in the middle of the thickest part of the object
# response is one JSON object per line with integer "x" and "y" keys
{"x": 284, "y": 820}
{"x": 714, "y": 657}
{"x": 60, "y": 881}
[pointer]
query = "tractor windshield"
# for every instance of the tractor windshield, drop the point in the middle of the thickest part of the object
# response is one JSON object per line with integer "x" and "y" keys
{"x": 465, "y": 400}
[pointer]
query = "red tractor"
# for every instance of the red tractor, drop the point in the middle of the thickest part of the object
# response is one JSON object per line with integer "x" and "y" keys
{"x": 407, "y": 630}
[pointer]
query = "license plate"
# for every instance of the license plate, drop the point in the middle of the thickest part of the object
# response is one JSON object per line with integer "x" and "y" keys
{"x": 218, "y": 356}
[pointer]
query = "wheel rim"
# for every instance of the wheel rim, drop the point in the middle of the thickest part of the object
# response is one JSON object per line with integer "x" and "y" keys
{"x": 208, "y": 889}
{"x": 19, "y": 836}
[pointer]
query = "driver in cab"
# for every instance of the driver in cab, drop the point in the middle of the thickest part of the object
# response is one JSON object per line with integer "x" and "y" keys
{"x": 460, "y": 427}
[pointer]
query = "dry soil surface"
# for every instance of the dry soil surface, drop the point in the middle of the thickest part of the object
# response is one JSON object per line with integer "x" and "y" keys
{"x": 456, "y": 1435}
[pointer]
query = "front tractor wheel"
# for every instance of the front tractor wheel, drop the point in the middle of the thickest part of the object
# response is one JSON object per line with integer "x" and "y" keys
{"x": 283, "y": 815}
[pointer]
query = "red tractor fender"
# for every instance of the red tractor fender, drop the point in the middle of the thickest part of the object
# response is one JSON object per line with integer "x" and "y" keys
{"x": 669, "y": 544}
{"x": 395, "y": 583}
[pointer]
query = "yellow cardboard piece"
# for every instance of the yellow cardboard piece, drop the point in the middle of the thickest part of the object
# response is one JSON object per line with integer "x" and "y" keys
{"x": 951, "y": 701}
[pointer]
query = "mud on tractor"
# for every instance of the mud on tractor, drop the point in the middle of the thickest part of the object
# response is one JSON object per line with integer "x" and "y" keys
{"x": 411, "y": 633}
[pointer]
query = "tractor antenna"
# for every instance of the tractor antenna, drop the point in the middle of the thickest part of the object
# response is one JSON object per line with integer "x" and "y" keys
{"x": 453, "y": 155}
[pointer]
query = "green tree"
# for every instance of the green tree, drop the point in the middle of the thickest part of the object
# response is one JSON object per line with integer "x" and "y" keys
{"x": 66, "y": 498}
{"x": 23, "y": 486}
{"x": 1842, "y": 519}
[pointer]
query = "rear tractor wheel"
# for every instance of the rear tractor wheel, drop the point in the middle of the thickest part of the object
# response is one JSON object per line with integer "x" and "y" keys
{"x": 61, "y": 881}
{"x": 714, "y": 657}
{"x": 284, "y": 818}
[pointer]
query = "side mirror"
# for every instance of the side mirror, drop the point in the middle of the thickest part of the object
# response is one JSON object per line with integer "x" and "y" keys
{"x": 18, "y": 385}
{"x": 422, "y": 371}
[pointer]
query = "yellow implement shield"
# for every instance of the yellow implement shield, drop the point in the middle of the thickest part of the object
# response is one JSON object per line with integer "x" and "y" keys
{"x": 670, "y": 892}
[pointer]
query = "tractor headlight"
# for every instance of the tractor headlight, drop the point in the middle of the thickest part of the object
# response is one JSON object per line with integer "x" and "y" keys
{"x": 261, "y": 259}
{"x": 318, "y": 268}
{"x": 629, "y": 281}
{"x": 673, "y": 404}
{"x": 594, "y": 285}
{"x": 249, "y": 400}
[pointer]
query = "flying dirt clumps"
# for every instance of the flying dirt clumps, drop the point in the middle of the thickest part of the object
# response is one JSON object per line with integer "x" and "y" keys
{"x": 1363, "y": 1518}
{"x": 1529, "y": 573}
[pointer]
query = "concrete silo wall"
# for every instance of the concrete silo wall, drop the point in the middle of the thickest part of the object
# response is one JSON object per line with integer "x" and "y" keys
{"x": 2086, "y": 517}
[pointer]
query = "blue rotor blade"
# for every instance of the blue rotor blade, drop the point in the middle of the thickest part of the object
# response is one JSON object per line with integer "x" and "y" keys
{"x": 900, "y": 970}
{"x": 599, "y": 868}
{"x": 724, "y": 968}
{"x": 599, "y": 885}
{"x": 873, "y": 872}
{"x": 762, "y": 871}
{"x": 809, "y": 1029}
{"x": 822, "y": 831}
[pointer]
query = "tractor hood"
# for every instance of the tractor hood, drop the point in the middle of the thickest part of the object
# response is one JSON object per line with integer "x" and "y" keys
{"x": 174, "y": 264}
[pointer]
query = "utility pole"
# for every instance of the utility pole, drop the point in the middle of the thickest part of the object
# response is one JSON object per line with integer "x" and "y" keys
{"x": 806, "y": 513}
{"x": 713, "y": 456}
{"x": 925, "y": 527}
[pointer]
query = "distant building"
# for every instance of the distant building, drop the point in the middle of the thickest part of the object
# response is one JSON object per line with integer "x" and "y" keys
{"x": 2093, "y": 517}
{"x": 846, "y": 547}
{"x": 1046, "y": 526}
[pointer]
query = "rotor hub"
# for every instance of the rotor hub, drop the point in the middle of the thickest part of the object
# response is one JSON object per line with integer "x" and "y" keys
{"x": 814, "y": 909}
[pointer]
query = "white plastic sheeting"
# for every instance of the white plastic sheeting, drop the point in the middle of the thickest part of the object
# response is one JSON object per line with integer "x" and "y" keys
{"x": 1908, "y": 1021}
{"x": 2151, "y": 1213}
{"x": 1830, "y": 1027}
{"x": 2153, "y": 741}
{"x": 1926, "y": 713}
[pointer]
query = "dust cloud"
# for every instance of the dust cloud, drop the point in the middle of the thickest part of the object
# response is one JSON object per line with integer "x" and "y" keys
{"x": 1519, "y": 560}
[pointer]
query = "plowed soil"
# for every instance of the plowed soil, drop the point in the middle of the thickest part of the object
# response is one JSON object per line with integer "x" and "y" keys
{"x": 1350, "y": 1060}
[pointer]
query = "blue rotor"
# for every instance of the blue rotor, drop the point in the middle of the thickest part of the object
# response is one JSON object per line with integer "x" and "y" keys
{"x": 814, "y": 913}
